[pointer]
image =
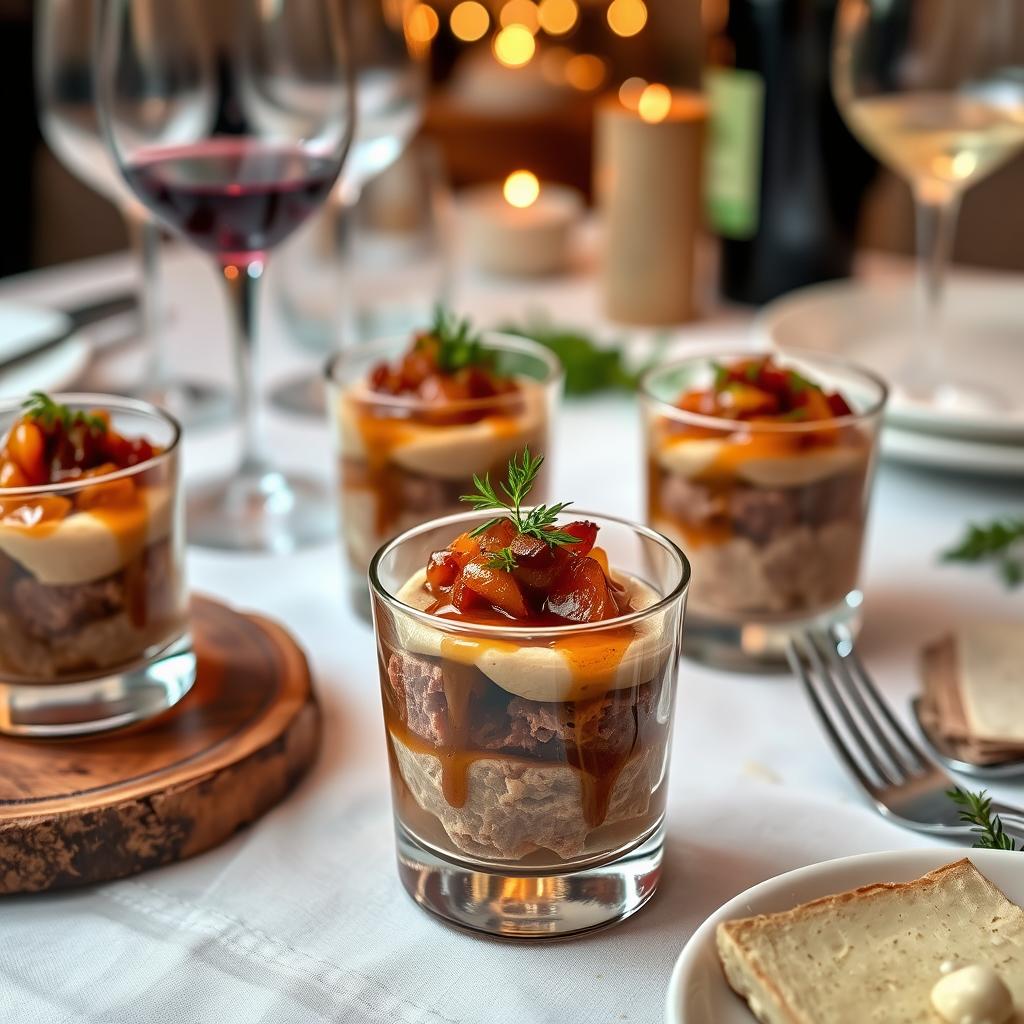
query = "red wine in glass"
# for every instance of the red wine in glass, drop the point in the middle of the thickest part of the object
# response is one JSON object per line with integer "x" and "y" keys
{"x": 234, "y": 197}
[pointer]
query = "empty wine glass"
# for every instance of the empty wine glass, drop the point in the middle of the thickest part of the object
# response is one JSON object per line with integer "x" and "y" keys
{"x": 935, "y": 89}
{"x": 315, "y": 288}
{"x": 230, "y": 121}
{"x": 65, "y": 88}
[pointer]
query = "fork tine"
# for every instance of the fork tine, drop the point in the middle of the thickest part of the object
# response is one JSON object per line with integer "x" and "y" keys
{"x": 882, "y": 704}
{"x": 841, "y": 668}
{"x": 853, "y": 729}
{"x": 798, "y": 664}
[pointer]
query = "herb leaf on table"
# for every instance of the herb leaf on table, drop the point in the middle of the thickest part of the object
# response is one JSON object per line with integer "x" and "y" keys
{"x": 589, "y": 368}
{"x": 1000, "y": 542}
{"x": 976, "y": 810}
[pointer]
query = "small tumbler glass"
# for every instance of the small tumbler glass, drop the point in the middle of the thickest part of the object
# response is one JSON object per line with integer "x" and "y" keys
{"x": 771, "y": 513}
{"x": 403, "y": 461}
{"x": 529, "y": 764}
{"x": 93, "y": 600}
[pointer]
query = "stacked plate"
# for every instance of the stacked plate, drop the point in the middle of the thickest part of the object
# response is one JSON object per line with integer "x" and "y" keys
{"x": 872, "y": 323}
{"x": 39, "y": 350}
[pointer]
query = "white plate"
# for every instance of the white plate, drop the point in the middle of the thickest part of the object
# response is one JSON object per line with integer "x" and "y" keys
{"x": 871, "y": 323}
{"x": 964, "y": 456}
{"x": 698, "y": 992}
{"x": 23, "y": 328}
{"x": 52, "y": 370}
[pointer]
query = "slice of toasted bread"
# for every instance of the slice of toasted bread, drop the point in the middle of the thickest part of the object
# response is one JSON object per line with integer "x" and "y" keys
{"x": 873, "y": 954}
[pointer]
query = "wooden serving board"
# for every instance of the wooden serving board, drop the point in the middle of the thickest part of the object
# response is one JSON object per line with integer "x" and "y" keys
{"x": 80, "y": 811}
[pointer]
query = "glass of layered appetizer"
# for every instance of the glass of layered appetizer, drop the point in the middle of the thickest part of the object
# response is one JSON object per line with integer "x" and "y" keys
{"x": 528, "y": 664}
{"x": 93, "y": 601}
{"x": 416, "y": 417}
{"x": 760, "y": 466}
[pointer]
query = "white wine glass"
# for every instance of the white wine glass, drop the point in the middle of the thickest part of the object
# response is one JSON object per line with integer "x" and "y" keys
{"x": 230, "y": 121}
{"x": 66, "y": 96}
{"x": 935, "y": 89}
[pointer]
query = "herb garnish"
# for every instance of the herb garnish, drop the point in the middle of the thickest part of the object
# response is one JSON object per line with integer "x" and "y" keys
{"x": 1000, "y": 542}
{"x": 721, "y": 375}
{"x": 976, "y": 810}
{"x": 538, "y": 522}
{"x": 458, "y": 345}
{"x": 40, "y": 406}
{"x": 589, "y": 367}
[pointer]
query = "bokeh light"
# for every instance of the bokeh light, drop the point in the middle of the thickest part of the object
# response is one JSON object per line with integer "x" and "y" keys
{"x": 630, "y": 92}
{"x": 557, "y": 16}
{"x": 520, "y": 12}
{"x": 655, "y": 103}
{"x": 469, "y": 21}
{"x": 585, "y": 72}
{"x": 514, "y": 46}
{"x": 627, "y": 17}
{"x": 421, "y": 24}
{"x": 521, "y": 189}
{"x": 552, "y": 63}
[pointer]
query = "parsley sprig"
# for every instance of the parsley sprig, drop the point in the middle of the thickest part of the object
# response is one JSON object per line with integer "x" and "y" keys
{"x": 1000, "y": 542}
{"x": 538, "y": 522}
{"x": 459, "y": 345}
{"x": 976, "y": 810}
{"x": 40, "y": 406}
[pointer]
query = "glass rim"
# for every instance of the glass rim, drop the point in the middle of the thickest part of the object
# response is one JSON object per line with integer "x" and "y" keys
{"x": 721, "y": 424}
{"x": 502, "y": 342}
{"x": 95, "y": 400}
{"x": 677, "y": 592}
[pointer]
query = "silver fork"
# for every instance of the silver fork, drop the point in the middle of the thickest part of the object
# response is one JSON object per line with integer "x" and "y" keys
{"x": 902, "y": 782}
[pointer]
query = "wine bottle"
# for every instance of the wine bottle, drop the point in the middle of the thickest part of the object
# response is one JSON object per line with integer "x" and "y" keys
{"x": 785, "y": 177}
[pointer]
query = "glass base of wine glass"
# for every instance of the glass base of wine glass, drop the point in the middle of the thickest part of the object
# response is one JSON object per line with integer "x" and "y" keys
{"x": 261, "y": 509}
{"x": 195, "y": 406}
{"x": 305, "y": 395}
{"x": 916, "y": 385}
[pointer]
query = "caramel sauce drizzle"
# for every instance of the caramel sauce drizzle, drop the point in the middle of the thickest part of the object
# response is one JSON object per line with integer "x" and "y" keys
{"x": 593, "y": 660}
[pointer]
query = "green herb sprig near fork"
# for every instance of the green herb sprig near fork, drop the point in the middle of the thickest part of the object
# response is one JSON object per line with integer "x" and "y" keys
{"x": 1000, "y": 542}
{"x": 976, "y": 810}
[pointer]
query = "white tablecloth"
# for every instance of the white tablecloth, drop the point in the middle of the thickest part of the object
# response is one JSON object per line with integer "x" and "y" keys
{"x": 301, "y": 917}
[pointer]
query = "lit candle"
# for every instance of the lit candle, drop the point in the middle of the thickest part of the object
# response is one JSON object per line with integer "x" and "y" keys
{"x": 521, "y": 228}
{"x": 648, "y": 171}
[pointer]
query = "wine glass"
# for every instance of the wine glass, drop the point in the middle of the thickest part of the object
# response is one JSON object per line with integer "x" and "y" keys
{"x": 390, "y": 90}
{"x": 935, "y": 89}
{"x": 65, "y": 88}
{"x": 230, "y": 121}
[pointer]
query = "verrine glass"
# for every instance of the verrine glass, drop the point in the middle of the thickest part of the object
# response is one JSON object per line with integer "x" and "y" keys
{"x": 404, "y": 459}
{"x": 935, "y": 89}
{"x": 771, "y": 513}
{"x": 93, "y": 598}
{"x": 66, "y": 95}
{"x": 529, "y": 764}
{"x": 230, "y": 122}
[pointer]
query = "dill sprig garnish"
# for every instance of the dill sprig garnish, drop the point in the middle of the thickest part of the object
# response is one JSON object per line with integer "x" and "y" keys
{"x": 40, "y": 406}
{"x": 976, "y": 810}
{"x": 538, "y": 522}
{"x": 1001, "y": 542}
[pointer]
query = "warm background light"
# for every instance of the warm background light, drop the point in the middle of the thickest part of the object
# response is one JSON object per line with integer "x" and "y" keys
{"x": 421, "y": 24}
{"x": 557, "y": 16}
{"x": 552, "y": 63}
{"x": 520, "y": 12}
{"x": 469, "y": 21}
{"x": 630, "y": 92}
{"x": 655, "y": 103}
{"x": 521, "y": 189}
{"x": 514, "y": 46}
{"x": 585, "y": 71}
{"x": 627, "y": 17}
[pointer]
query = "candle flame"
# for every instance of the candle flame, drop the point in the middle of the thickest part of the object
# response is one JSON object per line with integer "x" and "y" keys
{"x": 521, "y": 189}
{"x": 655, "y": 103}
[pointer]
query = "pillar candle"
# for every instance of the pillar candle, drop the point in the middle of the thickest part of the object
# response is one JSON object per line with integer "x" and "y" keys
{"x": 648, "y": 172}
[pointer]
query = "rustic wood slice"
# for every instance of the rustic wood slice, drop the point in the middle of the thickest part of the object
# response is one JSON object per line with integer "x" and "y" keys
{"x": 81, "y": 811}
